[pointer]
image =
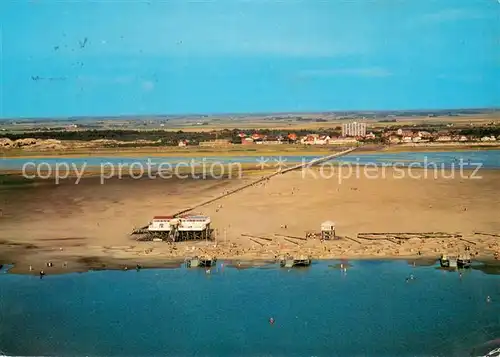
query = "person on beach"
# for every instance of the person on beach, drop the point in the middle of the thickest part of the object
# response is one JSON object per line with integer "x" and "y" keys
{"x": 42, "y": 273}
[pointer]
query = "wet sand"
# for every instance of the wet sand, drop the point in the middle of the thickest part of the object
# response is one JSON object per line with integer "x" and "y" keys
{"x": 250, "y": 150}
{"x": 88, "y": 225}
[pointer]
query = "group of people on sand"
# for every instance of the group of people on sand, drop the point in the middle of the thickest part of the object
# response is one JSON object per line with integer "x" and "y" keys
{"x": 49, "y": 264}
{"x": 42, "y": 273}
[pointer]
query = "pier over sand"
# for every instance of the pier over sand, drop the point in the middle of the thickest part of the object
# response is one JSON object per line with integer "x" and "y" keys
{"x": 89, "y": 225}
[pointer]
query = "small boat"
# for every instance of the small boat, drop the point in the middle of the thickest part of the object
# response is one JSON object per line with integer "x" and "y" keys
{"x": 448, "y": 261}
{"x": 286, "y": 263}
{"x": 207, "y": 262}
{"x": 201, "y": 262}
{"x": 291, "y": 262}
{"x": 444, "y": 261}
{"x": 464, "y": 262}
{"x": 453, "y": 262}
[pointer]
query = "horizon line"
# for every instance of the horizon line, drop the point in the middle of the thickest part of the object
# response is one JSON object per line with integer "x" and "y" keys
{"x": 240, "y": 114}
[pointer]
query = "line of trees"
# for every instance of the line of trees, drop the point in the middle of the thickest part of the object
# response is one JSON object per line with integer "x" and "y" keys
{"x": 160, "y": 137}
{"x": 481, "y": 131}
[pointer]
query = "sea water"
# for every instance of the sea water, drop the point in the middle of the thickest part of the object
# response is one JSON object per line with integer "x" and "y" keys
{"x": 469, "y": 158}
{"x": 373, "y": 309}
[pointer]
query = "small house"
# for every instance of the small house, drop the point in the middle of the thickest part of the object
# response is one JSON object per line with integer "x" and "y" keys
{"x": 328, "y": 230}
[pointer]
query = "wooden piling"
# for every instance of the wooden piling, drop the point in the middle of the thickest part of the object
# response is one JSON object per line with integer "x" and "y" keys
{"x": 251, "y": 236}
{"x": 291, "y": 241}
{"x": 407, "y": 235}
{"x": 487, "y": 234}
{"x": 294, "y": 237}
{"x": 468, "y": 241}
{"x": 354, "y": 240}
{"x": 256, "y": 241}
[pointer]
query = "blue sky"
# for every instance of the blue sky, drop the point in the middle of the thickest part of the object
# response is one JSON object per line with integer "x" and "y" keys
{"x": 228, "y": 56}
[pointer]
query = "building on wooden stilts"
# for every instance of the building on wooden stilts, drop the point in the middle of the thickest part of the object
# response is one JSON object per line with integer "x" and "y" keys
{"x": 173, "y": 229}
{"x": 327, "y": 230}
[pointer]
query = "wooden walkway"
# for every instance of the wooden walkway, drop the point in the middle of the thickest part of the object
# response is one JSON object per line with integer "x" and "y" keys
{"x": 264, "y": 178}
{"x": 267, "y": 177}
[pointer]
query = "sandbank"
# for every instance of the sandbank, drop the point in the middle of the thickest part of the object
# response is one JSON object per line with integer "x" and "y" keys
{"x": 88, "y": 226}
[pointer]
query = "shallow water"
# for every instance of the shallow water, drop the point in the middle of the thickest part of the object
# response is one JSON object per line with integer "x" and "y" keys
{"x": 468, "y": 159}
{"x": 487, "y": 158}
{"x": 369, "y": 311}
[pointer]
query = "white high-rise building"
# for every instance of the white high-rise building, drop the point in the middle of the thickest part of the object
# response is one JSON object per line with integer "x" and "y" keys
{"x": 354, "y": 129}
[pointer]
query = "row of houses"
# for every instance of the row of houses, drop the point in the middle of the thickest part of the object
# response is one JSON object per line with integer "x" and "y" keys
{"x": 315, "y": 139}
{"x": 257, "y": 138}
{"x": 310, "y": 139}
{"x": 392, "y": 137}
{"x": 409, "y": 136}
{"x": 292, "y": 138}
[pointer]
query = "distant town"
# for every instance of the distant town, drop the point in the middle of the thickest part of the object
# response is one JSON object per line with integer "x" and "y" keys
{"x": 475, "y": 128}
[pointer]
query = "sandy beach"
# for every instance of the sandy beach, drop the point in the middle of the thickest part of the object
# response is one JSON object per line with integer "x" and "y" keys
{"x": 77, "y": 227}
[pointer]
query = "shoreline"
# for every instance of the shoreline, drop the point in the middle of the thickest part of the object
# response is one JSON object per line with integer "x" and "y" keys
{"x": 242, "y": 263}
{"x": 292, "y": 150}
{"x": 248, "y": 171}
{"x": 90, "y": 224}
{"x": 245, "y": 166}
{"x": 69, "y": 255}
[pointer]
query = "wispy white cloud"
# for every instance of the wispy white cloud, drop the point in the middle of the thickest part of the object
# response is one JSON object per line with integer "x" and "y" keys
{"x": 354, "y": 72}
{"x": 453, "y": 15}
